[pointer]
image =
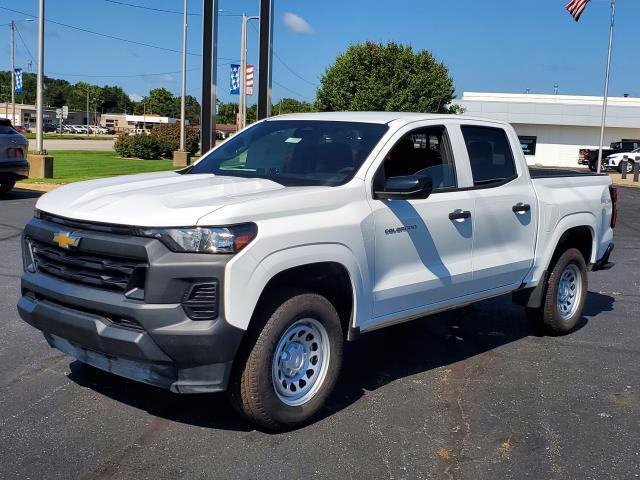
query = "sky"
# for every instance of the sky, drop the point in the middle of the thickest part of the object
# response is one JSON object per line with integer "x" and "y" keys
{"x": 489, "y": 46}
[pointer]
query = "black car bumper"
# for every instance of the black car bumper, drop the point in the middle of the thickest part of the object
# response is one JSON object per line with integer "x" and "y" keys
{"x": 147, "y": 333}
{"x": 13, "y": 170}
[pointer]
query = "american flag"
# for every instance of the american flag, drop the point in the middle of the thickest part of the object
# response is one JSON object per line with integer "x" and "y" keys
{"x": 576, "y": 7}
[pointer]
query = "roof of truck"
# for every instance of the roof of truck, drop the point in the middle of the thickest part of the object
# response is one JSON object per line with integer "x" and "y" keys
{"x": 376, "y": 117}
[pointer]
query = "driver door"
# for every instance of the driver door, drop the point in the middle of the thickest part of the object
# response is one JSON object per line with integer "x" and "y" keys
{"x": 423, "y": 247}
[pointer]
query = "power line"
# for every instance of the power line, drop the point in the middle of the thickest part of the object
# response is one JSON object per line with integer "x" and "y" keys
{"x": 275, "y": 54}
{"x": 148, "y": 8}
{"x": 162, "y": 10}
{"x": 292, "y": 91}
{"x": 24, "y": 44}
{"x": 112, "y": 37}
{"x": 118, "y": 76}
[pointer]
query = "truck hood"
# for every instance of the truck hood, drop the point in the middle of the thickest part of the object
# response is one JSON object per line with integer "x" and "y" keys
{"x": 165, "y": 199}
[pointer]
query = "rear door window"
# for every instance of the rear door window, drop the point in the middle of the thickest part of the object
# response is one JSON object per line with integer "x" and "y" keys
{"x": 490, "y": 155}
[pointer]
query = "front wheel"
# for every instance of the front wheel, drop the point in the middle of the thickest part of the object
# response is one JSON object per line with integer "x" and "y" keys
{"x": 6, "y": 187}
{"x": 290, "y": 363}
{"x": 564, "y": 296}
{"x": 629, "y": 166}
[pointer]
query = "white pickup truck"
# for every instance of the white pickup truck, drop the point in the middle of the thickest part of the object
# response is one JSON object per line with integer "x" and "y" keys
{"x": 248, "y": 270}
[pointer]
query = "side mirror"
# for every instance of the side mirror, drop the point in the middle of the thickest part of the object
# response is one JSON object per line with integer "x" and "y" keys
{"x": 406, "y": 188}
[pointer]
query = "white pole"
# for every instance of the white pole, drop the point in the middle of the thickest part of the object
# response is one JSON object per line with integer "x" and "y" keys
{"x": 12, "y": 26}
{"x": 183, "y": 96}
{"x": 40, "y": 91}
{"x": 606, "y": 85}
{"x": 243, "y": 74}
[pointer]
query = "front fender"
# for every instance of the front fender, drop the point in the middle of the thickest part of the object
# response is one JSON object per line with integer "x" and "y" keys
{"x": 246, "y": 279}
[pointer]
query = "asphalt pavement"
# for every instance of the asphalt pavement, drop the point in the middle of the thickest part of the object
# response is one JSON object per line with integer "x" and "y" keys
{"x": 469, "y": 394}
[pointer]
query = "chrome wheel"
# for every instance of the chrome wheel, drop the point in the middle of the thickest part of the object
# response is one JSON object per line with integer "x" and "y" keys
{"x": 300, "y": 362}
{"x": 569, "y": 291}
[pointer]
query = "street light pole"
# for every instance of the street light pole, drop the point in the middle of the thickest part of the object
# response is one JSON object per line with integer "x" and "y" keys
{"x": 243, "y": 71}
{"x": 40, "y": 90}
{"x": 183, "y": 96}
{"x": 12, "y": 27}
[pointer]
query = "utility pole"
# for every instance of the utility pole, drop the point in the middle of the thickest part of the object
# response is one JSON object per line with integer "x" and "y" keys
{"x": 12, "y": 27}
{"x": 183, "y": 97}
{"x": 243, "y": 71}
{"x": 87, "y": 122}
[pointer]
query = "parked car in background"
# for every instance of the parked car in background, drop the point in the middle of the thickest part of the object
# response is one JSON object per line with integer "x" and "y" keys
{"x": 49, "y": 127}
{"x": 248, "y": 270}
{"x": 589, "y": 156}
{"x": 614, "y": 161}
{"x": 21, "y": 129}
{"x": 13, "y": 153}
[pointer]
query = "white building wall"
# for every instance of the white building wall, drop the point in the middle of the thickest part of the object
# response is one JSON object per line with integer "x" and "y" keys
{"x": 562, "y": 124}
{"x": 559, "y": 145}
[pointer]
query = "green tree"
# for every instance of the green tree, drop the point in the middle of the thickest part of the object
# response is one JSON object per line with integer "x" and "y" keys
{"x": 291, "y": 105}
{"x": 391, "y": 77}
{"x": 192, "y": 107}
{"x": 227, "y": 113}
{"x": 160, "y": 101}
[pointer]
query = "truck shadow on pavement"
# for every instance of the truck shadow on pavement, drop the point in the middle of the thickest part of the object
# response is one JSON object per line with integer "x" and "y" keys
{"x": 409, "y": 349}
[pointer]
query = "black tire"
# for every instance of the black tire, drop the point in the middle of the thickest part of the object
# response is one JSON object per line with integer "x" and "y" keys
{"x": 252, "y": 390}
{"x": 6, "y": 187}
{"x": 547, "y": 320}
{"x": 629, "y": 167}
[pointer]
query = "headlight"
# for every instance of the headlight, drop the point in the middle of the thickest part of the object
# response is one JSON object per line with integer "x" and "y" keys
{"x": 230, "y": 239}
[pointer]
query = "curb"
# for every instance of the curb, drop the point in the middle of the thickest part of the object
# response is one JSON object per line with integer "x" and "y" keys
{"x": 37, "y": 187}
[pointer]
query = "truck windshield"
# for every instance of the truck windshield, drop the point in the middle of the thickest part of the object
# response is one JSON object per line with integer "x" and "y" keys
{"x": 295, "y": 152}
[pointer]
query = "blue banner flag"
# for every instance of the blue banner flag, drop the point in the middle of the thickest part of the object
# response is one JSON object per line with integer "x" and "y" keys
{"x": 235, "y": 80}
{"x": 18, "y": 74}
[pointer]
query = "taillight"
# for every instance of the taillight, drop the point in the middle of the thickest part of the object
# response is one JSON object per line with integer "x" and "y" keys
{"x": 15, "y": 153}
{"x": 613, "y": 191}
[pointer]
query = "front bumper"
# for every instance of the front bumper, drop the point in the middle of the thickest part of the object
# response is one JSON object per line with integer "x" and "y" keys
{"x": 13, "y": 170}
{"x": 148, "y": 338}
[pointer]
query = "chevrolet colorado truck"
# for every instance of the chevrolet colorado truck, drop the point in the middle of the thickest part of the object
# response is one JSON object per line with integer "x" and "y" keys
{"x": 248, "y": 270}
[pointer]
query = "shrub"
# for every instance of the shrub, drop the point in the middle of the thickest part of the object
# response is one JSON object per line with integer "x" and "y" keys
{"x": 138, "y": 146}
{"x": 168, "y": 137}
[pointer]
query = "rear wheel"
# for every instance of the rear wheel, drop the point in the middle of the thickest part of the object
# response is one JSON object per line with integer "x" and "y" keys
{"x": 290, "y": 363}
{"x": 6, "y": 187}
{"x": 564, "y": 296}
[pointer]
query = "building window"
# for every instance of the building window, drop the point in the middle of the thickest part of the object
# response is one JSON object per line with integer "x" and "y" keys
{"x": 528, "y": 145}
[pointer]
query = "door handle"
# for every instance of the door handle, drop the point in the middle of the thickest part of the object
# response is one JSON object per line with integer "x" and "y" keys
{"x": 521, "y": 208}
{"x": 459, "y": 215}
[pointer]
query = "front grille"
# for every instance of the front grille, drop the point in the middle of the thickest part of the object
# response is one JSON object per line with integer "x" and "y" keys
{"x": 99, "y": 271}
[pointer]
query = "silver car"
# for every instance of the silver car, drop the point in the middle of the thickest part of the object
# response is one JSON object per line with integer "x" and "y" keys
{"x": 13, "y": 156}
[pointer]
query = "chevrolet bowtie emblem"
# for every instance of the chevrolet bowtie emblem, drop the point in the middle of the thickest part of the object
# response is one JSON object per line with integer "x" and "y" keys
{"x": 66, "y": 240}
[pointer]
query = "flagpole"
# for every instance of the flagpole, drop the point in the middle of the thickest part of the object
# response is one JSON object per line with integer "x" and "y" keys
{"x": 606, "y": 85}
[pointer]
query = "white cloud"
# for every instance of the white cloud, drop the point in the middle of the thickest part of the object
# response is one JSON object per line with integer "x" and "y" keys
{"x": 296, "y": 24}
{"x": 135, "y": 97}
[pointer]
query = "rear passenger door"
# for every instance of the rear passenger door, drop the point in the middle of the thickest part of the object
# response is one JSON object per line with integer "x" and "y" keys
{"x": 505, "y": 221}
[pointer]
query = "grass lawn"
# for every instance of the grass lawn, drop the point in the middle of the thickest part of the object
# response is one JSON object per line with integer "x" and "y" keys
{"x": 70, "y": 136}
{"x": 74, "y": 166}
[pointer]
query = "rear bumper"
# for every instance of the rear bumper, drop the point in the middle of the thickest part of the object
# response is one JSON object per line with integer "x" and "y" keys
{"x": 140, "y": 338}
{"x": 13, "y": 170}
{"x": 604, "y": 263}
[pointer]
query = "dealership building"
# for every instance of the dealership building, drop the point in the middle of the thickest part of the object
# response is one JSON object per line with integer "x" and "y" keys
{"x": 553, "y": 128}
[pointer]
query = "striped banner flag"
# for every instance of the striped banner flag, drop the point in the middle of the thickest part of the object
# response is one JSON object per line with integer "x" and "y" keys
{"x": 250, "y": 70}
{"x": 576, "y": 7}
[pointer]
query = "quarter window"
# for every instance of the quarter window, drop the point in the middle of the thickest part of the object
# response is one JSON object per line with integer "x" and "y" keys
{"x": 490, "y": 155}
